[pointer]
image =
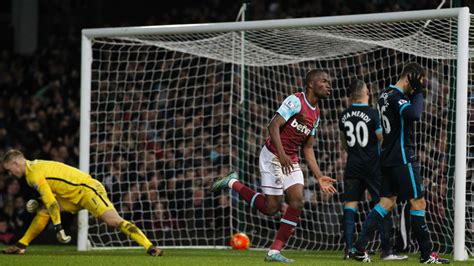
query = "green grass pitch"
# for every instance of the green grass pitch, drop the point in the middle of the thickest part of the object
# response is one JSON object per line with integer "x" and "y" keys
{"x": 67, "y": 255}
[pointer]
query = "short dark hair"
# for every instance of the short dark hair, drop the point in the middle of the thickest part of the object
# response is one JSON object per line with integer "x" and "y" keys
{"x": 312, "y": 74}
{"x": 412, "y": 68}
{"x": 355, "y": 90}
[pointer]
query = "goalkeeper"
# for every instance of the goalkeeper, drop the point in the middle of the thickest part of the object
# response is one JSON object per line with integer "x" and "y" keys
{"x": 66, "y": 188}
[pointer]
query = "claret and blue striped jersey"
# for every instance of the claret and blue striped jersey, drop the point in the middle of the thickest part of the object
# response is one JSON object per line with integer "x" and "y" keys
{"x": 302, "y": 120}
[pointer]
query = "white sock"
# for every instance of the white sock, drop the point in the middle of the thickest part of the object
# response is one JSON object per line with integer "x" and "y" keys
{"x": 231, "y": 182}
{"x": 273, "y": 251}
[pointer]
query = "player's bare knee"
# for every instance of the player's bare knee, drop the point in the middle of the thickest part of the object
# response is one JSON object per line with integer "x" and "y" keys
{"x": 272, "y": 209}
{"x": 386, "y": 203}
{"x": 352, "y": 204}
{"x": 418, "y": 204}
{"x": 297, "y": 204}
{"x": 114, "y": 222}
{"x": 111, "y": 218}
{"x": 273, "y": 205}
{"x": 389, "y": 208}
{"x": 109, "y": 221}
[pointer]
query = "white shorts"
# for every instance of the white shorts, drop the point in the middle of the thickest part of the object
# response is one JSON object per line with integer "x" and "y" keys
{"x": 274, "y": 182}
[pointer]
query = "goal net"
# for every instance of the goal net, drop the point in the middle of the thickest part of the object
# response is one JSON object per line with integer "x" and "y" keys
{"x": 172, "y": 110}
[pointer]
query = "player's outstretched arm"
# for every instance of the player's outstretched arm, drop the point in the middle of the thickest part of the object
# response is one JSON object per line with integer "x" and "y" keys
{"x": 325, "y": 182}
{"x": 52, "y": 206}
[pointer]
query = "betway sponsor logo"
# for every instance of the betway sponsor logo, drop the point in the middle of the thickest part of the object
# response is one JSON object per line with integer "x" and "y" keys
{"x": 302, "y": 128}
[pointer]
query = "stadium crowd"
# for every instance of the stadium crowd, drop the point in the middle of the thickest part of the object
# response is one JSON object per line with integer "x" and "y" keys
{"x": 40, "y": 114}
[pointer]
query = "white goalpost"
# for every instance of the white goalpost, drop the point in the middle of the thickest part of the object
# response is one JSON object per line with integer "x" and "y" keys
{"x": 166, "y": 109}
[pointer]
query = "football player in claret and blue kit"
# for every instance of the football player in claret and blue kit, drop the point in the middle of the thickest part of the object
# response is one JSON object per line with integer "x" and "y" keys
{"x": 293, "y": 126}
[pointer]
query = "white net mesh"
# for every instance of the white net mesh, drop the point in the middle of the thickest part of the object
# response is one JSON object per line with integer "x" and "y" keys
{"x": 169, "y": 114}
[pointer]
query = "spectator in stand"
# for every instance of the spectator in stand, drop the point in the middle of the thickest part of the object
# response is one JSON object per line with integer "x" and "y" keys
{"x": 43, "y": 89}
{"x": 163, "y": 220}
{"x": 6, "y": 235}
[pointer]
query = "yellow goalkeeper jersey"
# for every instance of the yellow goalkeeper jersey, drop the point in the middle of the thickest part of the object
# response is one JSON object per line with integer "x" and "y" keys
{"x": 64, "y": 181}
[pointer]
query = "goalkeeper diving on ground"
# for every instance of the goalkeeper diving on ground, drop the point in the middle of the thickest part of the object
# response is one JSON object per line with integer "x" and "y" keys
{"x": 65, "y": 188}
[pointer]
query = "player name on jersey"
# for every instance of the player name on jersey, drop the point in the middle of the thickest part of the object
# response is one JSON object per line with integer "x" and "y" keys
{"x": 360, "y": 114}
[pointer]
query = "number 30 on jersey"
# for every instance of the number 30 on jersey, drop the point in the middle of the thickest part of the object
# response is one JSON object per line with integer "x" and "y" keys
{"x": 361, "y": 135}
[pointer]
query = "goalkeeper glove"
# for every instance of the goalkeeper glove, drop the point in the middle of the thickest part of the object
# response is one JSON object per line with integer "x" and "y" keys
{"x": 32, "y": 205}
{"x": 416, "y": 83}
{"x": 61, "y": 235}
